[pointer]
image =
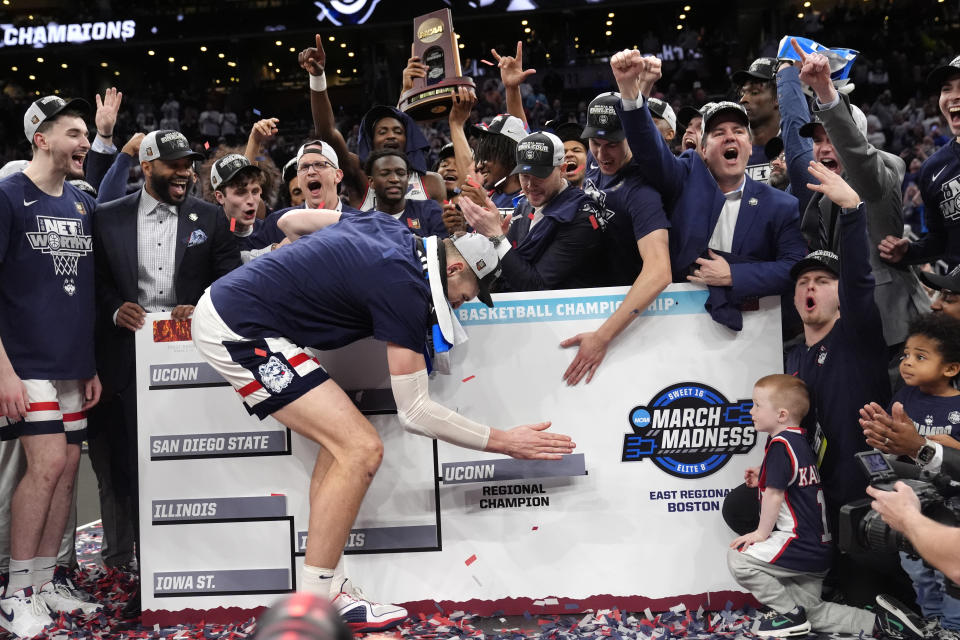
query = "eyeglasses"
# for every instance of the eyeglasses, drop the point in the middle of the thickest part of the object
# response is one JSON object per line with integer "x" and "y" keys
{"x": 316, "y": 166}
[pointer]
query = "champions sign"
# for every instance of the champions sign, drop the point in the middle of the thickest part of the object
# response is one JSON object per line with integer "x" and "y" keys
{"x": 53, "y": 33}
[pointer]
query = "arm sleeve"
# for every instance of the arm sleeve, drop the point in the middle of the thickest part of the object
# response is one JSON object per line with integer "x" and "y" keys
{"x": 114, "y": 183}
{"x": 856, "y": 278}
{"x": 798, "y": 150}
{"x": 99, "y": 159}
{"x": 421, "y": 415}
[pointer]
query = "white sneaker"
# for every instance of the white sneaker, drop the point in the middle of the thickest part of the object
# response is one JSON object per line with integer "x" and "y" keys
{"x": 60, "y": 594}
{"x": 23, "y": 614}
{"x": 363, "y": 616}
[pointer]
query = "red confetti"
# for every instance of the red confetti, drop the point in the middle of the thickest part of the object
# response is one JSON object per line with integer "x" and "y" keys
{"x": 206, "y": 145}
{"x": 233, "y": 224}
{"x": 260, "y": 352}
{"x": 530, "y": 215}
{"x": 410, "y": 223}
{"x": 487, "y": 62}
{"x": 469, "y": 561}
{"x": 593, "y": 222}
{"x": 322, "y": 202}
{"x": 468, "y": 378}
{"x": 534, "y": 529}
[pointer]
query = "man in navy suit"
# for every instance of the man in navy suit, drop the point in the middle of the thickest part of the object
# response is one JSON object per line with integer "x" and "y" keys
{"x": 729, "y": 232}
{"x": 156, "y": 250}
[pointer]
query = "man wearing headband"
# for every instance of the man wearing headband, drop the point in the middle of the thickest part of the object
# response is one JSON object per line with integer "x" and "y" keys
{"x": 364, "y": 275}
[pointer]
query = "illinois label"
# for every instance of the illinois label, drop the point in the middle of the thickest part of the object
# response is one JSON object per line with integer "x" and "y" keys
{"x": 689, "y": 430}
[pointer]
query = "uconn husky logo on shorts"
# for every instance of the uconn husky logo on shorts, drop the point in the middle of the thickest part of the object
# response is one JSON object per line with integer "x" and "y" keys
{"x": 689, "y": 430}
{"x": 275, "y": 375}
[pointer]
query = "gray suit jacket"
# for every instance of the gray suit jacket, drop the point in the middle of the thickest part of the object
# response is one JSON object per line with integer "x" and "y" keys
{"x": 876, "y": 176}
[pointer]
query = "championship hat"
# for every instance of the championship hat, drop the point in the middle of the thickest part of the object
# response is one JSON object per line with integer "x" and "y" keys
{"x": 538, "y": 154}
{"x": 84, "y": 186}
{"x": 504, "y": 125}
{"x": 715, "y": 109}
{"x": 45, "y": 108}
{"x": 166, "y": 145}
{"x": 224, "y": 169}
{"x": 941, "y": 73}
{"x": 446, "y": 151}
{"x": 942, "y": 282}
{"x": 825, "y": 260}
{"x": 762, "y": 69}
{"x": 483, "y": 259}
{"x": 686, "y": 114}
{"x": 663, "y": 110}
{"x": 602, "y": 118}
{"x": 321, "y": 147}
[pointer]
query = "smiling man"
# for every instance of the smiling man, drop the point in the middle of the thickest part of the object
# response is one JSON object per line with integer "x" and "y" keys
{"x": 237, "y": 186}
{"x": 389, "y": 172}
{"x": 156, "y": 250}
{"x": 939, "y": 184}
{"x": 736, "y": 235}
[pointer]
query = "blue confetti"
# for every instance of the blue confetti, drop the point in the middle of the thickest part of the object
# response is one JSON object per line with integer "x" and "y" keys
{"x": 256, "y": 112}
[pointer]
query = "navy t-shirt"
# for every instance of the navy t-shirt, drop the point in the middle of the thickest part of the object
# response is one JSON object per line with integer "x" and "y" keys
{"x": 252, "y": 240}
{"x": 932, "y": 415}
{"x": 631, "y": 210}
{"x": 758, "y": 166}
{"x": 46, "y": 280}
{"x": 358, "y": 278}
{"x": 270, "y": 232}
{"x": 940, "y": 186}
{"x": 424, "y": 218}
{"x": 800, "y": 540}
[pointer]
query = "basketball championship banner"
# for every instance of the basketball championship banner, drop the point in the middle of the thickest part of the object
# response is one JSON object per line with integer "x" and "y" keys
{"x": 630, "y": 519}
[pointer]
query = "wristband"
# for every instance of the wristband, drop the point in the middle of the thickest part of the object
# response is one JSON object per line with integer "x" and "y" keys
{"x": 104, "y": 135}
{"x": 318, "y": 83}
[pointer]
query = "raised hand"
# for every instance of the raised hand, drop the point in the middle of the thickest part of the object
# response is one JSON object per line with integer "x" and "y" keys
{"x": 815, "y": 73}
{"x": 414, "y": 69}
{"x": 512, "y": 73}
{"x": 832, "y": 186}
{"x": 107, "y": 108}
{"x": 264, "y": 130}
{"x": 313, "y": 59}
{"x": 464, "y": 98}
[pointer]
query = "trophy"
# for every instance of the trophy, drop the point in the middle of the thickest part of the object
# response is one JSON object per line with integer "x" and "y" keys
{"x": 436, "y": 45}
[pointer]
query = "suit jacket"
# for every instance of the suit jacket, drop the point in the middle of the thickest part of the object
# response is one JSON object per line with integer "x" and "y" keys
{"x": 876, "y": 176}
{"x": 115, "y": 253}
{"x": 766, "y": 240}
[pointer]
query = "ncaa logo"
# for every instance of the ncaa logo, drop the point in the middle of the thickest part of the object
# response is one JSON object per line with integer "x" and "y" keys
{"x": 689, "y": 430}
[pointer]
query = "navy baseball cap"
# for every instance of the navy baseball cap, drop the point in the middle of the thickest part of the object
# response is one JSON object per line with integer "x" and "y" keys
{"x": 166, "y": 145}
{"x": 224, "y": 169}
{"x": 538, "y": 154}
{"x": 823, "y": 260}
{"x": 942, "y": 282}
{"x": 761, "y": 69}
{"x": 602, "y": 118}
{"x": 941, "y": 73}
{"x": 686, "y": 114}
{"x": 715, "y": 109}
{"x": 566, "y": 131}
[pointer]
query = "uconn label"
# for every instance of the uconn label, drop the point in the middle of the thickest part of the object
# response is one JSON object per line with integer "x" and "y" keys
{"x": 689, "y": 430}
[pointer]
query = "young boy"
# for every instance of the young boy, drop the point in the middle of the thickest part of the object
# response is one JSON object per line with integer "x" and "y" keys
{"x": 784, "y": 561}
{"x": 237, "y": 186}
{"x": 929, "y": 367}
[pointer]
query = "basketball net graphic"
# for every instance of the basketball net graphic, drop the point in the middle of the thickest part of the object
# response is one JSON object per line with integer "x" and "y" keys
{"x": 64, "y": 262}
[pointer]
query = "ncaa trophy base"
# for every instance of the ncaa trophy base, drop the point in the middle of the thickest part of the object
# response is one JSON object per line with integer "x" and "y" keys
{"x": 433, "y": 102}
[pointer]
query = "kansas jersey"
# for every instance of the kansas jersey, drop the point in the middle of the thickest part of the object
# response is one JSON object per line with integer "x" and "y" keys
{"x": 46, "y": 280}
{"x": 358, "y": 278}
{"x": 416, "y": 190}
{"x": 932, "y": 415}
{"x": 800, "y": 539}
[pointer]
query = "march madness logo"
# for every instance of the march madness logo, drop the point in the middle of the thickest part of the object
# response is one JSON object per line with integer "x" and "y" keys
{"x": 689, "y": 430}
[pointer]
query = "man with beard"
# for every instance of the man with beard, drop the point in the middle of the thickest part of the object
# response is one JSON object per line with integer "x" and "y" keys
{"x": 382, "y": 127}
{"x": 758, "y": 95}
{"x": 389, "y": 172}
{"x": 733, "y": 234}
{"x": 47, "y": 372}
{"x": 156, "y": 250}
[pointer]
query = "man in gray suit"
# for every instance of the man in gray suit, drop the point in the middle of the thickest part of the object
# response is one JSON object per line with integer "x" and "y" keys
{"x": 839, "y": 142}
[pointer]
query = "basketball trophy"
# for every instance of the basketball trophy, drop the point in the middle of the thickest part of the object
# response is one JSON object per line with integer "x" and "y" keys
{"x": 435, "y": 43}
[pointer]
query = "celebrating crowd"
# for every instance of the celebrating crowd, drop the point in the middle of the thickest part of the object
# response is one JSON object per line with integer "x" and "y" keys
{"x": 771, "y": 194}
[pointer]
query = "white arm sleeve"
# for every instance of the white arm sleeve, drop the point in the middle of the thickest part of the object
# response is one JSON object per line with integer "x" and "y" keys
{"x": 421, "y": 415}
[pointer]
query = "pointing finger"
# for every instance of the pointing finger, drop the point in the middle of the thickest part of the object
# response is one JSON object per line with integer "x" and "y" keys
{"x": 796, "y": 47}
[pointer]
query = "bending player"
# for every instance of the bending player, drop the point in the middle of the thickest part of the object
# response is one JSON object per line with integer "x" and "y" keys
{"x": 365, "y": 276}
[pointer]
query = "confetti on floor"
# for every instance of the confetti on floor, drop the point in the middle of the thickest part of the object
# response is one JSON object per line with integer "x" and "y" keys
{"x": 114, "y": 587}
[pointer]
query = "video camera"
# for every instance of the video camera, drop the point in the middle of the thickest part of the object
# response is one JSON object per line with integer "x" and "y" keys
{"x": 863, "y": 530}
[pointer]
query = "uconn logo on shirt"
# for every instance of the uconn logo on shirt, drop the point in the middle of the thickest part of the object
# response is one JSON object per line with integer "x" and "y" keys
{"x": 689, "y": 430}
{"x": 950, "y": 206}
